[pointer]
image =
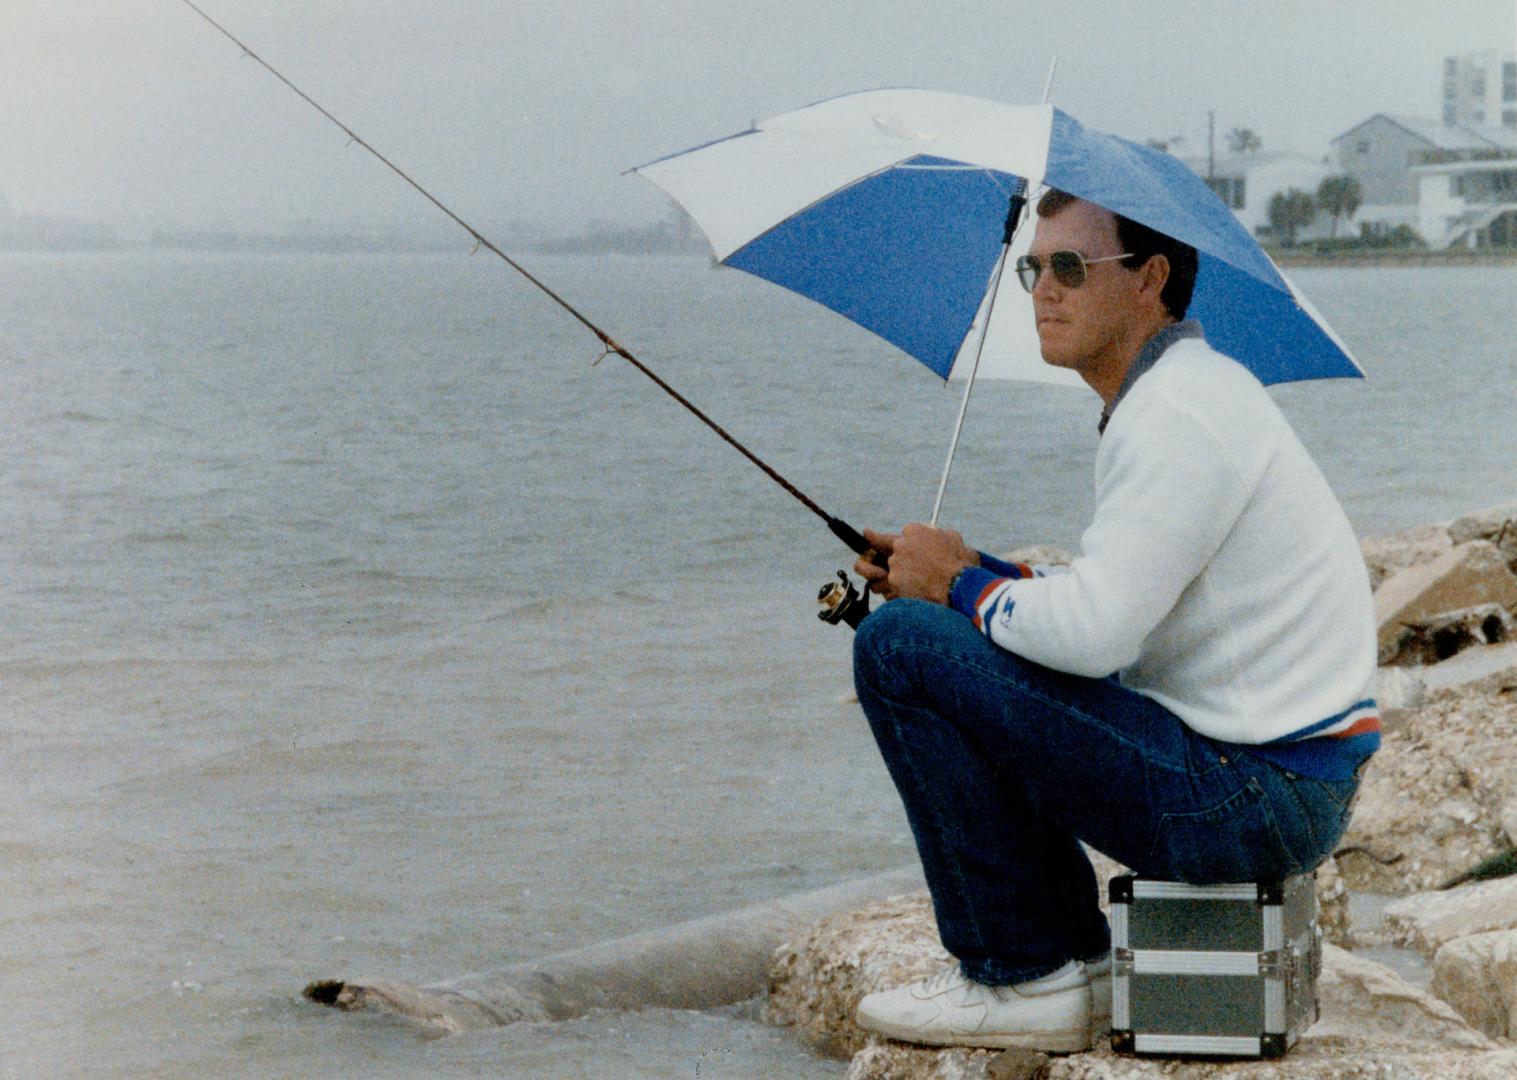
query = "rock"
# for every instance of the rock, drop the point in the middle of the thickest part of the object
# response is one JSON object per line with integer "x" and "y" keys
{"x": 1440, "y": 796}
{"x": 1428, "y": 920}
{"x": 1436, "y": 639}
{"x": 1385, "y": 555}
{"x": 1497, "y": 866}
{"x": 1497, "y": 524}
{"x": 817, "y": 978}
{"x": 1416, "y": 823}
{"x": 1399, "y": 688}
{"x": 1470, "y": 574}
{"x": 1493, "y": 667}
{"x": 897, "y": 1061}
{"x": 1477, "y": 975}
{"x": 1041, "y": 555}
{"x": 1367, "y": 1004}
{"x": 1332, "y": 904}
{"x": 1018, "y": 1065}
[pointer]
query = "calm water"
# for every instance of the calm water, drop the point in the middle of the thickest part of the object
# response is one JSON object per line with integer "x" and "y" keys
{"x": 356, "y": 625}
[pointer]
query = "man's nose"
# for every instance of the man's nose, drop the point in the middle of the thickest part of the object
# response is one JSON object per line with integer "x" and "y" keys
{"x": 1045, "y": 286}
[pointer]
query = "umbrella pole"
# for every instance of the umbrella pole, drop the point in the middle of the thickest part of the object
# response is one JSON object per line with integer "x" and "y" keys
{"x": 1013, "y": 219}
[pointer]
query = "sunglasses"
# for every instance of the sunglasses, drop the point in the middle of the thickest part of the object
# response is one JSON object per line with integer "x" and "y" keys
{"x": 1069, "y": 268}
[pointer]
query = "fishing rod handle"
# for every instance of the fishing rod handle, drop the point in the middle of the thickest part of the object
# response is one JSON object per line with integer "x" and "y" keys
{"x": 849, "y": 535}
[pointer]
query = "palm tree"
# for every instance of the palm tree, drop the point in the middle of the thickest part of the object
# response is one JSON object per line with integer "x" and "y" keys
{"x": 1340, "y": 197}
{"x": 1290, "y": 211}
{"x": 1244, "y": 141}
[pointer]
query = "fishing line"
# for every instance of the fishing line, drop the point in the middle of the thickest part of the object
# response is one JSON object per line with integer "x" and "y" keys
{"x": 841, "y": 529}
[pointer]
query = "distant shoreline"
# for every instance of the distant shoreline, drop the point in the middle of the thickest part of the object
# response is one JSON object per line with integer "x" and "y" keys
{"x": 360, "y": 245}
{"x": 1383, "y": 257}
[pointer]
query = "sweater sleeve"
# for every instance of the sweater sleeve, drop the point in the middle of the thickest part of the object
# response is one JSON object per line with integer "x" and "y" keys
{"x": 1167, "y": 494}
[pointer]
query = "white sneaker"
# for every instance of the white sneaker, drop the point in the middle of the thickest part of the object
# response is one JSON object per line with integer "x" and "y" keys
{"x": 948, "y": 1009}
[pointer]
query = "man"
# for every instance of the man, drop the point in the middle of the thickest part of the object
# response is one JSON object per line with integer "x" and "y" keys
{"x": 1191, "y": 696}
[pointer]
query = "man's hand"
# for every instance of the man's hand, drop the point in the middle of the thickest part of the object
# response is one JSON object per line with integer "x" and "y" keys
{"x": 919, "y": 562}
{"x": 872, "y": 565}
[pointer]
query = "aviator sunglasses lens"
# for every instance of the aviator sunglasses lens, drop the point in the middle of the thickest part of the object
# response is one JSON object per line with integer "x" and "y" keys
{"x": 1068, "y": 269}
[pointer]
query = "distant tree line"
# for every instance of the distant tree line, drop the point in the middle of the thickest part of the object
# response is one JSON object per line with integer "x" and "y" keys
{"x": 1339, "y": 197}
{"x": 1293, "y": 210}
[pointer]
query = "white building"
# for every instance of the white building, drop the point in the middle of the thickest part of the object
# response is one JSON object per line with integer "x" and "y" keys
{"x": 1247, "y": 183}
{"x": 1468, "y": 203}
{"x": 1387, "y": 154}
{"x": 1480, "y": 88}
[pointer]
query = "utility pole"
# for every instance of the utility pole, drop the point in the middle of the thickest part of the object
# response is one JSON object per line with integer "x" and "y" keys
{"x": 1211, "y": 145}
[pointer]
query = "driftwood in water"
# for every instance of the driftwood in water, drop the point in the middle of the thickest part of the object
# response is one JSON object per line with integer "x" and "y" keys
{"x": 692, "y": 965}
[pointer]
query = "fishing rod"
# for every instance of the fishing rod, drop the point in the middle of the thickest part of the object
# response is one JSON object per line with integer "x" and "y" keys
{"x": 845, "y": 606}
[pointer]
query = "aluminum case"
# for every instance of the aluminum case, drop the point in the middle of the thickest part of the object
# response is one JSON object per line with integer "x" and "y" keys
{"x": 1213, "y": 970}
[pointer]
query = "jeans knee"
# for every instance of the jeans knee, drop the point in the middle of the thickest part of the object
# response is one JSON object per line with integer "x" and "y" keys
{"x": 882, "y": 644}
{"x": 884, "y": 626}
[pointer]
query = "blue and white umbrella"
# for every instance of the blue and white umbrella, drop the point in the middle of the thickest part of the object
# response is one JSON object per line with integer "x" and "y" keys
{"x": 888, "y": 206}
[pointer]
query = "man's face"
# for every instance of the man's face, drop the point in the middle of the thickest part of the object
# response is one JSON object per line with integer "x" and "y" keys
{"x": 1083, "y": 328}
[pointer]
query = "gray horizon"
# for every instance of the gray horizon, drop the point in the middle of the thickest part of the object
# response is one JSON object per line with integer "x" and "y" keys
{"x": 142, "y": 116}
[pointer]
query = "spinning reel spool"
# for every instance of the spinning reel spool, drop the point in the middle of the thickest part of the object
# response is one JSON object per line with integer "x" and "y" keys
{"x": 842, "y": 602}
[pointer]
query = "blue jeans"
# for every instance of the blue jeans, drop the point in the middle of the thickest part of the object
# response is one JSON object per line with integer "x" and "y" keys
{"x": 1004, "y": 766}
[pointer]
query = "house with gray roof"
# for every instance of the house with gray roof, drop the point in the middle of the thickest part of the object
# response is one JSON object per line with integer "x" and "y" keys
{"x": 1399, "y": 161}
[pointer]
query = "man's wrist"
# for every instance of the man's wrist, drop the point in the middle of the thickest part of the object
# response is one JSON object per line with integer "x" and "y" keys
{"x": 953, "y": 583}
{"x": 968, "y": 584}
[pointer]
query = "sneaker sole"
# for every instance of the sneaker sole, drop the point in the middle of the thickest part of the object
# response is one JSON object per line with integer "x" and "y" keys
{"x": 1073, "y": 1041}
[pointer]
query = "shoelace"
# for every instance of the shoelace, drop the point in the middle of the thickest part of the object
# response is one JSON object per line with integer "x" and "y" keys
{"x": 945, "y": 979}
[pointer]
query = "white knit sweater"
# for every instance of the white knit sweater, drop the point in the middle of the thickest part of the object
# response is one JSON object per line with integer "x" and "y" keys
{"x": 1219, "y": 575}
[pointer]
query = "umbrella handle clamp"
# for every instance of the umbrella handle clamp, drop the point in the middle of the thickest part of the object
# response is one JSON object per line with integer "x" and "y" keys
{"x": 842, "y": 602}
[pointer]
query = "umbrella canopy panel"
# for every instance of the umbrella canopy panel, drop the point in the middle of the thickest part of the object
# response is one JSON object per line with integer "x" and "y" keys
{"x": 906, "y": 253}
{"x": 888, "y": 207}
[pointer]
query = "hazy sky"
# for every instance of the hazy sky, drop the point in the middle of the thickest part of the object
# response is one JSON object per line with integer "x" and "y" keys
{"x": 531, "y": 110}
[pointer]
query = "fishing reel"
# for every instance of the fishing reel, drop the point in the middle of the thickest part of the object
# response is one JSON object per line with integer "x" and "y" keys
{"x": 842, "y": 602}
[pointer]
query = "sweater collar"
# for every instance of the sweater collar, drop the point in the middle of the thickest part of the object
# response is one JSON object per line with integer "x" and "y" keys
{"x": 1147, "y": 357}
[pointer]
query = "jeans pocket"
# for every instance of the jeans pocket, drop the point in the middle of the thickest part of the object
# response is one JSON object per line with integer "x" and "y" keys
{"x": 1325, "y": 807}
{"x": 1338, "y": 793}
{"x": 1237, "y": 839}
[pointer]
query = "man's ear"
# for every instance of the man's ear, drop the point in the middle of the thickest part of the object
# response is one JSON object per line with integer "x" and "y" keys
{"x": 1155, "y": 275}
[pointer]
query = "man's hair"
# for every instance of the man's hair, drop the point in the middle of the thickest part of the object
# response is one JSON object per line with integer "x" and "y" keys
{"x": 1144, "y": 243}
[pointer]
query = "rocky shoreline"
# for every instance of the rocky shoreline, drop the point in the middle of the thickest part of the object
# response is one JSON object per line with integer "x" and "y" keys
{"x": 1438, "y": 806}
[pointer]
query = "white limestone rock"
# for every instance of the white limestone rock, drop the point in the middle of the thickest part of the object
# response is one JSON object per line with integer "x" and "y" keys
{"x": 1332, "y": 904}
{"x": 817, "y": 979}
{"x": 1498, "y": 524}
{"x": 897, "y": 1061}
{"x": 1429, "y": 920}
{"x": 1041, "y": 555}
{"x": 1439, "y": 796}
{"x": 1399, "y": 688}
{"x": 1477, "y": 975}
{"x": 1469, "y": 575}
{"x": 1386, "y": 555}
{"x": 1367, "y": 1006}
